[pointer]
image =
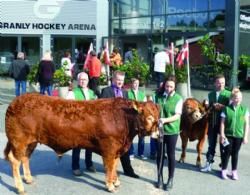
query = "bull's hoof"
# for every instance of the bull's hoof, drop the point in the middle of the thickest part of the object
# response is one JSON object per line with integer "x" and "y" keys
{"x": 21, "y": 192}
{"x": 28, "y": 180}
{"x": 198, "y": 164}
{"x": 181, "y": 160}
{"x": 117, "y": 183}
{"x": 110, "y": 187}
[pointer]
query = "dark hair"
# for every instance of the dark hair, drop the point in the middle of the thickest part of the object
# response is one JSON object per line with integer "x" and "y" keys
{"x": 161, "y": 89}
{"x": 93, "y": 53}
{"x": 67, "y": 54}
{"x": 219, "y": 76}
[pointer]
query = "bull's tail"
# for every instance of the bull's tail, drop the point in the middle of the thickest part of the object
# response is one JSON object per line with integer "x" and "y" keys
{"x": 7, "y": 150}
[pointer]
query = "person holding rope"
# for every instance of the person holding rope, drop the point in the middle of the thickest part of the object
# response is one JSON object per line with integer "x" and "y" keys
{"x": 169, "y": 126}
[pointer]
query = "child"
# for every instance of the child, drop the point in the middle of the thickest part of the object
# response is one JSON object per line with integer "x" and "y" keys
{"x": 233, "y": 131}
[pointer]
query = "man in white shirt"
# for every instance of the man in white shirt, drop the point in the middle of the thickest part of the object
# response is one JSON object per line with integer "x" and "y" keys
{"x": 161, "y": 59}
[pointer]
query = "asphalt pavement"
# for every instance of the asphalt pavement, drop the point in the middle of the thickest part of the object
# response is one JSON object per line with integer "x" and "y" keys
{"x": 53, "y": 176}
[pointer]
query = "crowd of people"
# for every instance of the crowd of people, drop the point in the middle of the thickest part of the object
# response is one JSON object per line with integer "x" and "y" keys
{"x": 229, "y": 119}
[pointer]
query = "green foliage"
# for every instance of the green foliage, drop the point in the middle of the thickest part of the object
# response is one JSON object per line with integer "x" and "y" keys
{"x": 245, "y": 61}
{"x": 32, "y": 76}
{"x": 179, "y": 72}
{"x": 221, "y": 62}
{"x": 135, "y": 69}
{"x": 60, "y": 76}
{"x": 103, "y": 80}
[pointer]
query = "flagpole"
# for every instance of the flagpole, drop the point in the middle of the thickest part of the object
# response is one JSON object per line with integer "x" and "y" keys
{"x": 172, "y": 56}
{"x": 188, "y": 72}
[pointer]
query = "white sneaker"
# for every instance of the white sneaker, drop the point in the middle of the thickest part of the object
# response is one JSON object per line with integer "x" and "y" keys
{"x": 207, "y": 168}
{"x": 132, "y": 157}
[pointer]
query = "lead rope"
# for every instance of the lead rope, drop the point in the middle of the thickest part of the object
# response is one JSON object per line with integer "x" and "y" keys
{"x": 161, "y": 141}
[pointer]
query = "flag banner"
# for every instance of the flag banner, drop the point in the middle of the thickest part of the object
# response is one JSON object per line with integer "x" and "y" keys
{"x": 170, "y": 53}
{"x": 183, "y": 54}
{"x": 88, "y": 56}
{"x": 106, "y": 54}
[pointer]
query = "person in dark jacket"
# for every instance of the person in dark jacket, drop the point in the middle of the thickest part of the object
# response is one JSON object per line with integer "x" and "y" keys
{"x": 115, "y": 90}
{"x": 45, "y": 73}
{"x": 19, "y": 70}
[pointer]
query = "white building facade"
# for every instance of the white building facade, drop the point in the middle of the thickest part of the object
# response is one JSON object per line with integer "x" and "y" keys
{"x": 56, "y": 25}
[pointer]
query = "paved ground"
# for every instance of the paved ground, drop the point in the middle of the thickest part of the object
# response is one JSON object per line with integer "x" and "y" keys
{"x": 54, "y": 177}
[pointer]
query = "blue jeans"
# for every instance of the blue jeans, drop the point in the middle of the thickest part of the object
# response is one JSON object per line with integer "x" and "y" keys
{"x": 153, "y": 146}
{"x": 160, "y": 77}
{"x": 140, "y": 149}
{"x": 44, "y": 88}
{"x": 18, "y": 85}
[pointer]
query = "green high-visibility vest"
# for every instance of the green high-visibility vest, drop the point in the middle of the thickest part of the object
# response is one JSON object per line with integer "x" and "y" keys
{"x": 235, "y": 120}
{"x": 168, "y": 106}
{"x": 79, "y": 95}
{"x": 132, "y": 96}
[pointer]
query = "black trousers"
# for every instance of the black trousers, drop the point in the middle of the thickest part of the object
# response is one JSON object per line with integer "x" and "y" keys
{"x": 126, "y": 163}
{"x": 212, "y": 141}
{"x": 94, "y": 85}
{"x": 169, "y": 143}
{"x": 231, "y": 150}
{"x": 76, "y": 158}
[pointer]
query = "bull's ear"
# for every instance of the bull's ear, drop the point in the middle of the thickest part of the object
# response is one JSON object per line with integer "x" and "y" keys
{"x": 137, "y": 106}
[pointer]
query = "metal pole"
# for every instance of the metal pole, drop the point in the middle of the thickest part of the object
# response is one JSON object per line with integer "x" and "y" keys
{"x": 234, "y": 79}
{"x": 188, "y": 72}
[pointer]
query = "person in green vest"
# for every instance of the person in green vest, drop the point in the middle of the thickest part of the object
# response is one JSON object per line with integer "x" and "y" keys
{"x": 169, "y": 126}
{"x": 82, "y": 92}
{"x": 218, "y": 99}
{"x": 234, "y": 128}
{"x": 135, "y": 94}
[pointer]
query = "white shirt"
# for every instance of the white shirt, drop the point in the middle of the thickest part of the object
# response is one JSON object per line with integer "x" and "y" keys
{"x": 68, "y": 67}
{"x": 160, "y": 61}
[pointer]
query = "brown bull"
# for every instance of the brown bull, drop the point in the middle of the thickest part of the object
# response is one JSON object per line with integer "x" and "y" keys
{"x": 194, "y": 125}
{"x": 105, "y": 126}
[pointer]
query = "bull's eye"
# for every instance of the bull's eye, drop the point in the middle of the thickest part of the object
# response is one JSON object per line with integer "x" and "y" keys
{"x": 150, "y": 119}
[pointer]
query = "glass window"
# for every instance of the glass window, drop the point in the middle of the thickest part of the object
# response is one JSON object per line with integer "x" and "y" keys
{"x": 217, "y": 20}
{"x": 158, "y": 7}
{"x": 8, "y": 51}
{"x": 31, "y": 48}
{"x": 158, "y": 23}
{"x": 136, "y": 25}
{"x": 115, "y": 27}
{"x": 115, "y": 9}
{"x": 200, "y": 21}
{"x": 61, "y": 44}
{"x": 134, "y": 8}
{"x": 215, "y": 4}
{"x": 178, "y": 6}
{"x": 179, "y": 22}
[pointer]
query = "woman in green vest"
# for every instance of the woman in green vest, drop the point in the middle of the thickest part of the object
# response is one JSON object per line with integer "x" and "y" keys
{"x": 233, "y": 132}
{"x": 82, "y": 92}
{"x": 135, "y": 94}
{"x": 171, "y": 108}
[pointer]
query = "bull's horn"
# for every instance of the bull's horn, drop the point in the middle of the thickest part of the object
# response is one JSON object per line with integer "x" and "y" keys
{"x": 136, "y": 107}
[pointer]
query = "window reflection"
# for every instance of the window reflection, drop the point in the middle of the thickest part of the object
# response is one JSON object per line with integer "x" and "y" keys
{"x": 217, "y": 20}
{"x": 134, "y": 8}
{"x": 158, "y": 7}
{"x": 136, "y": 25}
{"x": 187, "y": 22}
{"x": 215, "y": 4}
{"x": 175, "y": 6}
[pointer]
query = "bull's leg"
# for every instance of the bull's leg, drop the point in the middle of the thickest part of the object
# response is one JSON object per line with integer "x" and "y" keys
{"x": 199, "y": 148}
{"x": 25, "y": 161}
{"x": 109, "y": 164}
{"x": 184, "y": 141}
{"x": 26, "y": 170}
{"x": 116, "y": 180}
{"x": 15, "y": 165}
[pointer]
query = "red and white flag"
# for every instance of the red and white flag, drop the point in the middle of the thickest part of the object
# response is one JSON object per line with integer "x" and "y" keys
{"x": 106, "y": 54}
{"x": 184, "y": 54}
{"x": 170, "y": 53}
{"x": 88, "y": 56}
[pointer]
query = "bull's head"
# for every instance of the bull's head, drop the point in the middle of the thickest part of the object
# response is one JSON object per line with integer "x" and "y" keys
{"x": 193, "y": 110}
{"x": 148, "y": 116}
